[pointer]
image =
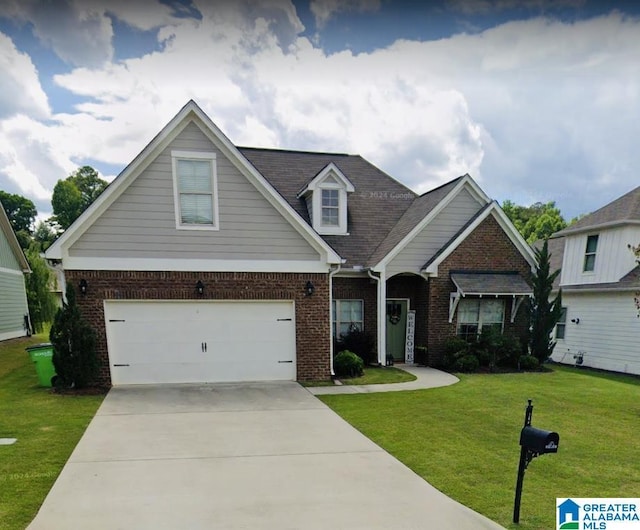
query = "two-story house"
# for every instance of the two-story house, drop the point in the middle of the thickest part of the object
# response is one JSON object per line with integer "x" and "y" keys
{"x": 599, "y": 280}
{"x": 204, "y": 261}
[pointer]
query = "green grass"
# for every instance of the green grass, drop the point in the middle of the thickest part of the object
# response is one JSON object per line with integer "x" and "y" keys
{"x": 464, "y": 438}
{"x": 373, "y": 375}
{"x": 47, "y": 426}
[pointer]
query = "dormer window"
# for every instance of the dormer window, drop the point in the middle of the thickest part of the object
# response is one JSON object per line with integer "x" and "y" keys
{"x": 326, "y": 197}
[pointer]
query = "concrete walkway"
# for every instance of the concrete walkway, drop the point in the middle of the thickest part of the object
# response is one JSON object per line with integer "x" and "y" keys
{"x": 237, "y": 456}
{"x": 426, "y": 378}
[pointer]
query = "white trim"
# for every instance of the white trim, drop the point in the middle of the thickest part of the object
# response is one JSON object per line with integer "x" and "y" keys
{"x": 195, "y": 155}
{"x": 504, "y": 222}
{"x": 329, "y": 169}
{"x": 11, "y": 271}
{"x": 190, "y": 113}
{"x": 593, "y": 228}
{"x": 467, "y": 183}
{"x": 196, "y": 265}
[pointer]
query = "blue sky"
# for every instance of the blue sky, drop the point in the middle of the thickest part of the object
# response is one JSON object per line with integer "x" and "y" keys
{"x": 537, "y": 100}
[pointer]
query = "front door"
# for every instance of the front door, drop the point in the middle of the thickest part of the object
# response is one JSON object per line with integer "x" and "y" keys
{"x": 396, "y": 328}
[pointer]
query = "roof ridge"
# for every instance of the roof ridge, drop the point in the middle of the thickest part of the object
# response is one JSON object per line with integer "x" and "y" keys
{"x": 296, "y": 151}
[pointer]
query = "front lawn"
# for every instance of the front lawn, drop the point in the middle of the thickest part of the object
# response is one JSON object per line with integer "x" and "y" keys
{"x": 373, "y": 375}
{"x": 463, "y": 439}
{"x": 47, "y": 426}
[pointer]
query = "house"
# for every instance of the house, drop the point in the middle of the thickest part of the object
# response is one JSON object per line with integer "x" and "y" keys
{"x": 599, "y": 280}
{"x": 14, "y": 312}
{"x": 204, "y": 261}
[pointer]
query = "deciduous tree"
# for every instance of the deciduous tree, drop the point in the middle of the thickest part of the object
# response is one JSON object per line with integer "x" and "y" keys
{"x": 41, "y": 301}
{"x": 21, "y": 213}
{"x": 74, "y": 195}
{"x": 535, "y": 222}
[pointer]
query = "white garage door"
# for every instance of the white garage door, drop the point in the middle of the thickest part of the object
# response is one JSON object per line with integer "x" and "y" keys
{"x": 192, "y": 342}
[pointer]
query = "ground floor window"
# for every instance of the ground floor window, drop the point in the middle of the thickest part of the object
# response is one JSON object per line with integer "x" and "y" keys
{"x": 476, "y": 314}
{"x": 562, "y": 324}
{"x": 346, "y": 315}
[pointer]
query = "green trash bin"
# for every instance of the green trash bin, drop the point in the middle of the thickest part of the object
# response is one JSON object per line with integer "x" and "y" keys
{"x": 42, "y": 357}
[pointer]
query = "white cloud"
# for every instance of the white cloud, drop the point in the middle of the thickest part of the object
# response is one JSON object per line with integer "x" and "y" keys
{"x": 20, "y": 89}
{"x": 325, "y": 10}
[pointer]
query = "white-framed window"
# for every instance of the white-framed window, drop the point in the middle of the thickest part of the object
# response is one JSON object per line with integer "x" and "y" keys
{"x": 476, "y": 314}
{"x": 346, "y": 315}
{"x": 330, "y": 207}
{"x": 561, "y": 326}
{"x": 590, "y": 253}
{"x": 195, "y": 190}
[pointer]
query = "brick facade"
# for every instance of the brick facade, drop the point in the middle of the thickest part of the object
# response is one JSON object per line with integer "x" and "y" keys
{"x": 364, "y": 289}
{"x": 311, "y": 312}
{"x": 487, "y": 248}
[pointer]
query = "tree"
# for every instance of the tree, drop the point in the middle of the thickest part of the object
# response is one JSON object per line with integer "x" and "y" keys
{"x": 544, "y": 313}
{"x": 535, "y": 222}
{"x": 74, "y": 345}
{"x": 41, "y": 301}
{"x": 21, "y": 213}
{"x": 74, "y": 195}
{"x": 44, "y": 234}
{"x": 636, "y": 298}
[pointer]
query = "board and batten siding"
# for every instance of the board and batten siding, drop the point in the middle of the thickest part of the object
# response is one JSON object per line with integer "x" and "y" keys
{"x": 607, "y": 335}
{"x": 613, "y": 257}
{"x": 141, "y": 222}
{"x": 13, "y": 304}
{"x": 435, "y": 235}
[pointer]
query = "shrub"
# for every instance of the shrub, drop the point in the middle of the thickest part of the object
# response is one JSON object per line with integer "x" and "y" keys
{"x": 467, "y": 363}
{"x": 528, "y": 362}
{"x": 348, "y": 364}
{"x": 74, "y": 345}
{"x": 359, "y": 342}
{"x": 454, "y": 349}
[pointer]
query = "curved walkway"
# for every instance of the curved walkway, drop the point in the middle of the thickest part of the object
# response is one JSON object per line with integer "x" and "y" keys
{"x": 426, "y": 378}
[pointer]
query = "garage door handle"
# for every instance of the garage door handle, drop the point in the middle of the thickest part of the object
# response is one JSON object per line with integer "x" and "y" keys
{"x": 282, "y": 362}
{"x": 120, "y": 365}
{"x": 115, "y": 320}
{"x": 284, "y": 320}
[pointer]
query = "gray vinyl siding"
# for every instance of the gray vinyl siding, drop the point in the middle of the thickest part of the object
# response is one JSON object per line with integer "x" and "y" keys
{"x": 141, "y": 222}
{"x": 8, "y": 259}
{"x": 435, "y": 235}
{"x": 607, "y": 335}
{"x": 13, "y": 306}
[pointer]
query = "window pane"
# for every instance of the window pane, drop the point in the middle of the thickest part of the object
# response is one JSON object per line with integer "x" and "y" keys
{"x": 196, "y": 209}
{"x": 589, "y": 262}
{"x": 330, "y": 216}
{"x": 468, "y": 311}
{"x": 194, "y": 176}
{"x": 330, "y": 198}
{"x": 491, "y": 312}
{"x": 344, "y": 328}
{"x": 592, "y": 243}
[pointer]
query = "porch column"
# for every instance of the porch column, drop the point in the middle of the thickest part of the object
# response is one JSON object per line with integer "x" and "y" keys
{"x": 382, "y": 318}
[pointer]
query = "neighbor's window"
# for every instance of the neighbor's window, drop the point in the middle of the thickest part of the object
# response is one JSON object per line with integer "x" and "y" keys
{"x": 476, "y": 314}
{"x": 195, "y": 184}
{"x": 347, "y": 315}
{"x": 562, "y": 324}
{"x": 330, "y": 208}
{"x": 590, "y": 253}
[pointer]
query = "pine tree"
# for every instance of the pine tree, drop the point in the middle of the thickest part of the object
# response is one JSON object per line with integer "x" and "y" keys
{"x": 544, "y": 312}
{"x": 74, "y": 345}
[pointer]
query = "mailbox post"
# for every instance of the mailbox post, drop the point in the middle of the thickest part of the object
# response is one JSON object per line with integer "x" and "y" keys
{"x": 533, "y": 442}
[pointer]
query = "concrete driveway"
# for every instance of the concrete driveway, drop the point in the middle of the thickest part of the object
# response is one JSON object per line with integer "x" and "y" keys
{"x": 251, "y": 456}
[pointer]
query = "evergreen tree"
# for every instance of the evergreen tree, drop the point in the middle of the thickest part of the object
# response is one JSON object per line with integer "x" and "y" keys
{"x": 544, "y": 312}
{"x": 74, "y": 345}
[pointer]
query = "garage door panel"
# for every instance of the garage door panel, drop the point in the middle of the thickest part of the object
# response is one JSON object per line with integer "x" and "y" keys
{"x": 173, "y": 342}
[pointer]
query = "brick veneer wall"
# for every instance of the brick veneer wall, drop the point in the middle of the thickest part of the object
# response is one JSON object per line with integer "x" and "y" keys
{"x": 487, "y": 248}
{"x": 311, "y": 312}
{"x": 360, "y": 289}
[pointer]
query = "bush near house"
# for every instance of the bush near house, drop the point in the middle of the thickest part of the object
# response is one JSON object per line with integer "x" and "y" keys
{"x": 348, "y": 364}
{"x": 359, "y": 342}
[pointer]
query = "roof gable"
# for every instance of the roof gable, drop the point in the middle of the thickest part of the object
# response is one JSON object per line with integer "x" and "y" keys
{"x": 190, "y": 113}
{"x": 330, "y": 175}
{"x": 7, "y": 231}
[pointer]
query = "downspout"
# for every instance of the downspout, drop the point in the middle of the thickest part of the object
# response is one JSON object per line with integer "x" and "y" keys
{"x": 332, "y": 273}
{"x": 382, "y": 295}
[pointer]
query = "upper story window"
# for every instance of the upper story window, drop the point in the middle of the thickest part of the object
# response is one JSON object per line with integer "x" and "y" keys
{"x": 195, "y": 190}
{"x": 330, "y": 208}
{"x": 590, "y": 253}
{"x": 326, "y": 196}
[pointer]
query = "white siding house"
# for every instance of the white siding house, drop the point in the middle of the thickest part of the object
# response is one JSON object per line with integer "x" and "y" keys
{"x": 600, "y": 278}
{"x": 13, "y": 296}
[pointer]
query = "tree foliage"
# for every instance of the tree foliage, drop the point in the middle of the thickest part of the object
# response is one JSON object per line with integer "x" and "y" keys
{"x": 21, "y": 213}
{"x": 74, "y": 195}
{"x": 74, "y": 345}
{"x": 44, "y": 234}
{"x": 535, "y": 222}
{"x": 636, "y": 298}
{"x": 544, "y": 312}
{"x": 41, "y": 301}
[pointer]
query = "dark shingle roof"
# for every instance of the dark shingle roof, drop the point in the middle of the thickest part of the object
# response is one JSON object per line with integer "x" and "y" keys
{"x": 374, "y": 208}
{"x": 495, "y": 283}
{"x": 625, "y": 208}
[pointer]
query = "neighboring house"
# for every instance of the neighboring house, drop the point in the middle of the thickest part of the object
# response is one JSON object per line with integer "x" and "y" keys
{"x": 203, "y": 261}
{"x": 599, "y": 279}
{"x": 14, "y": 312}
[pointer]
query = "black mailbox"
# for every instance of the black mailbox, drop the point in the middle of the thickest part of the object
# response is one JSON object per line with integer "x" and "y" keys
{"x": 539, "y": 440}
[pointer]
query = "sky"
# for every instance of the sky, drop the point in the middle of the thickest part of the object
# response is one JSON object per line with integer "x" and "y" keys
{"x": 537, "y": 100}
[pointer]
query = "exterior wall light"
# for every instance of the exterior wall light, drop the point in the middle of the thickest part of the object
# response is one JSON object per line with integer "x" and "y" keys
{"x": 309, "y": 289}
{"x": 83, "y": 286}
{"x": 200, "y": 288}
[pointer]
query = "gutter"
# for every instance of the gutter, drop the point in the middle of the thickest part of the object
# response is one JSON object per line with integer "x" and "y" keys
{"x": 332, "y": 273}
